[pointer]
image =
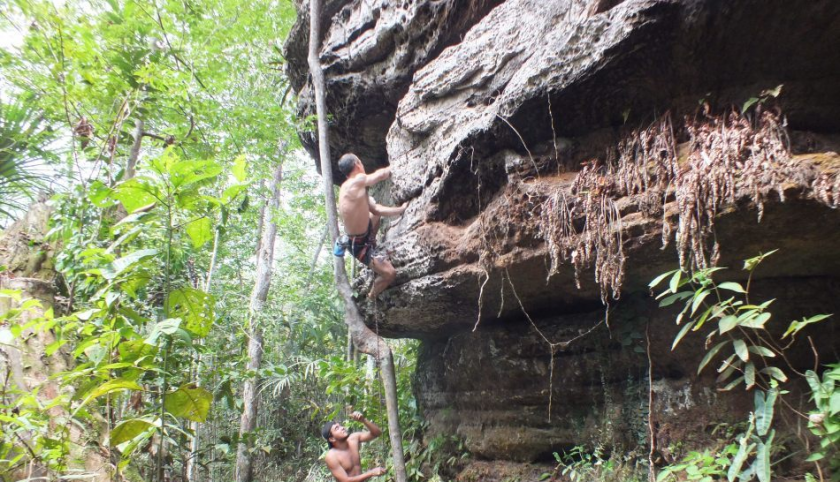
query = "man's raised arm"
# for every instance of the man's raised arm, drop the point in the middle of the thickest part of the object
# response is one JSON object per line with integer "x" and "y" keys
{"x": 378, "y": 175}
{"x": 373, "y": 430}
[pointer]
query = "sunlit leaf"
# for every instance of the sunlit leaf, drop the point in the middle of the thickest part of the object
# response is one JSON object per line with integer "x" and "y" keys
{"x": 120, "y": 265}
{"x": 682, "y": 334}
{"x": 195, "y": 307}
{"x": 190, "y": 402}
{"x": 727, "y": 323}
{"x": 135, "y": 193}
{"x": 659, "y": 278}
{"x": 764, "y": 408}
{"x": 731, "y": 286}
{"x": 741, "y": 349}
{"x": 115, "y": 385}
{"x": 775, "y": 372}
{"x": 166, "y": 327}
{"x": 756, "y": 322}
{"x": 762, "y": 459}
{"x": 240, "y": 168}
{"x": 749, "y": 375}
{"x": 200, "y": 231}
{"x": 128, "y": 430}
{"x": 761, "y": 350}
{"x": 796, "y": 326}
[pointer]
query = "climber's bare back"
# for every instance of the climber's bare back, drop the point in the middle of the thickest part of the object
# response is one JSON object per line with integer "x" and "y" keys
{"x": 354, "y": 204}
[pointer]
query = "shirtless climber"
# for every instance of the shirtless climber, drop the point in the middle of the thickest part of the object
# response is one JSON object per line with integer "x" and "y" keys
{"x": 343, "y": 458}
{"x": 361, "y": 214}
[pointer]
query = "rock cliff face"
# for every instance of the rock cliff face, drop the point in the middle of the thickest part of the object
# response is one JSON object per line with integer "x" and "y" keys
{"x": 549, "y": 150}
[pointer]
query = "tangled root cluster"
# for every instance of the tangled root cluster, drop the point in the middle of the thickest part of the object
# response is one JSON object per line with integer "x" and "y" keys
{"x": 720, "y": 159}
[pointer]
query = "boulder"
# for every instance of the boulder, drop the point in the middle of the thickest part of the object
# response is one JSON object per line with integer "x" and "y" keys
{"x": 557, "y": 156}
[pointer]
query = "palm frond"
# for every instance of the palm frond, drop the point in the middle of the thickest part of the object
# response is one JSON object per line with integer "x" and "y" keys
{"x": 24, "y": 137}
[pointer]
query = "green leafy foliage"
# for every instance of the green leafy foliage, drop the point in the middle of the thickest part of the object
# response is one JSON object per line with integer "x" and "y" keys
{"x": 824, "y": 420}
{"x": 750, "y": 355}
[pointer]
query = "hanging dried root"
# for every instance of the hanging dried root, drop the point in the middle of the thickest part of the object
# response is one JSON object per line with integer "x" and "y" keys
{"x": 719, "y": 159}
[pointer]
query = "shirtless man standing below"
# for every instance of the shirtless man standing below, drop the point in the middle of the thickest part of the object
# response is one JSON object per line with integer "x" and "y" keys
{"x": 343, "y": 458}
{"x": 361, "y": 214}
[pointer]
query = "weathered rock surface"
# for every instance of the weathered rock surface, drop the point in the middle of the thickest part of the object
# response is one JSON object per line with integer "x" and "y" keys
{"x": 494, "y": 117}
{"x": 369, "y": 52}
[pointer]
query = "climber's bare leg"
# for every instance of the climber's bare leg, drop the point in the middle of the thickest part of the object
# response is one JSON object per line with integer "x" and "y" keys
{"x": 385, "y": 275}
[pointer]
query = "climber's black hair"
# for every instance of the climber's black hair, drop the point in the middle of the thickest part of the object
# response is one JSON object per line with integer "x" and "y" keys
{"x": 325, "y": 432}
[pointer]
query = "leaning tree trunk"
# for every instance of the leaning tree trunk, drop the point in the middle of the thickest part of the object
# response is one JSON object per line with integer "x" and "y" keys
{"x": 24, "y": 366}
{"x": 365, "y": 340}
{"x": 250, "y": 396}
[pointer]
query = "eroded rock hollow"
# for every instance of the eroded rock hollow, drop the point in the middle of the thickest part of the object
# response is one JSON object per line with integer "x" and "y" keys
{"x": 557, "y": 156}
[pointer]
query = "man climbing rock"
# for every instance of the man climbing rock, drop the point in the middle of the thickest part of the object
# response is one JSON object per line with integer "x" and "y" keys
{"x": 343, "y": 458}
{"x": 361, "y": 214}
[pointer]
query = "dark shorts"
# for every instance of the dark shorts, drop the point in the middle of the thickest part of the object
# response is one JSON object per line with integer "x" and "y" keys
{"x": 362, "y": 246}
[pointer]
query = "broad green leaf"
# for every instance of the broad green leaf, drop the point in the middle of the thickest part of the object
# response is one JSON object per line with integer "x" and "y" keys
{"x": 112, "y": 386}
{"x": 13, "y": 294}
{"x": 711, "y": 313}
{"x": 675, "y": 281}
{"x": 734, "y": 383}
{"x": 240, "y": 168}
{"x": 125, "y": 237}
{"x": 166, "y": 327}
{"x": 764, "y": 410}
{"x": 195, "y": 307}
{"x": 121, "y": 264}
{"x": 51, "y": 348}
{"x": 796, "y": 326}
{"x": 135, "y": 193}
{"x": 749, "y": 103}
{"x": 200, "y": 231}
{"x": 682, "y": 333}
{"x": 756, "y": 322}
{"x": 751, "y": 263}
{"x": 744, "y": 451}
{"x": 659, "y": 278}
{"x": 184, "y": 173}
{"x": 813, "y": 381}
{"x": 99, "y": 194}
{"x": 117, "y": 384}
{"x": 741, "y": 349}
{"x": 675, "y": 297}
{"x": 727, "y": 323}
{"x": 189, "y": 401}
{"x": 129, "y": 429}
{"x": 231, "y": 192}
{"x": 775, "y": 373}
{"x": 762, "y": 351}
{"x": 135, "y": 283}
{"x": 135, "y": 351}
{"x": 762, "y": 459}
{"x": 749, "y": 375}
{"x": 698, "y": 300}
{"x": 731, "y": 286}
{"x": 711, "y": 354}
{"x": 816, "y": 456}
